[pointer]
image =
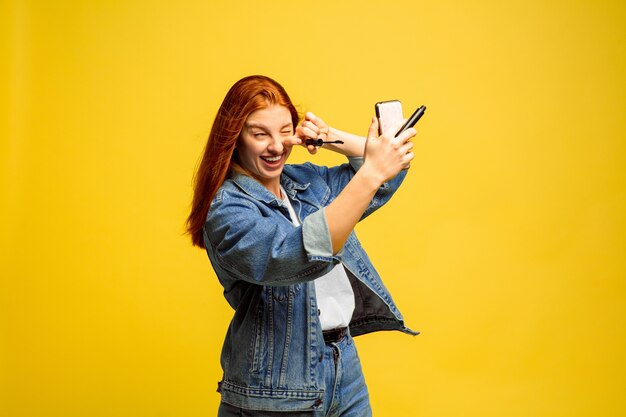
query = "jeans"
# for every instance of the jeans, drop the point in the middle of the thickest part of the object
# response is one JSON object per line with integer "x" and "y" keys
{"x": 346, "y": 392}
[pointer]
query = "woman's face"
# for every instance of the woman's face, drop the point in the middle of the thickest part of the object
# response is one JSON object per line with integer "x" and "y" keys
{"x": 260, "y": 145}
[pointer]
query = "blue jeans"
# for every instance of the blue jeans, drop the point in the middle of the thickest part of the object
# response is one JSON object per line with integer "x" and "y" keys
{"x": 346, "y": 392}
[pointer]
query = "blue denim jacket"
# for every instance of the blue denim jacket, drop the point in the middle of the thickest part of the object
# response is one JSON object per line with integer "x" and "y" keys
{"x": 272, "y": 351}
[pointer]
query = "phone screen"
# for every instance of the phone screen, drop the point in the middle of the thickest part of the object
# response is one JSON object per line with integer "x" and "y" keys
{"x": 390, "y": 116}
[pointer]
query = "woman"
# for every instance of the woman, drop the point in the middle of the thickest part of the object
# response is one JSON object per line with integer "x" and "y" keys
{"x": 280, "y": 238}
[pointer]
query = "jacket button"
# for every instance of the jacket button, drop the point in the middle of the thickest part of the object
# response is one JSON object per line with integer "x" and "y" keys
{"x": 318, "y": 402}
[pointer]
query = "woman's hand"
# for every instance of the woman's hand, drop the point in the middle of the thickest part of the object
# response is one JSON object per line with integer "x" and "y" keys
{"x": 386, "y": 156}
{"x": 312, "y": 127}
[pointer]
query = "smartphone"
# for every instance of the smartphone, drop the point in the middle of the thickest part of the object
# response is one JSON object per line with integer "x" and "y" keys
{"x": 389, "y": 114}
{"x": 412, "y": 120}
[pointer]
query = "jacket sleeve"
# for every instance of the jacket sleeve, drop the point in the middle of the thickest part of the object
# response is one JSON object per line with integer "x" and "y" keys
{"x": 338, "y": 177}
{"x": 256, "y": 249}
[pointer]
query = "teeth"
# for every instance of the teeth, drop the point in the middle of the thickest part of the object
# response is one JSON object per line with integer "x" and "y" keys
{"x": 272, "y": 158}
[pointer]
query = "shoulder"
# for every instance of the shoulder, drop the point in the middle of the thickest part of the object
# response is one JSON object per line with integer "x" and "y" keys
{"x": 228, "y": 190}
{"x": 296, "y": 171}
{"x": 228, "y": 201}
{"x": 308, "y": 173}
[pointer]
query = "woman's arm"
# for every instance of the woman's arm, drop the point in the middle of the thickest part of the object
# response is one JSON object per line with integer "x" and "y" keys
{"x": 385, "y": 157}
{"x": 314, "y": 127}
{"x": 237, "y": 230}
{"x": 246, "y": 242}
{"x": 354, "y": 145}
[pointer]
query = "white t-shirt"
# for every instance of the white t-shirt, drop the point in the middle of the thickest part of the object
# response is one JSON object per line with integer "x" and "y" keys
{"x": 335, "y": 297}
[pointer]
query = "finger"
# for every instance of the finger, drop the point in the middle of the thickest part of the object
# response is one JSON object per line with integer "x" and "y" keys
{"x": 310, "y": 116}
{"x": 406, "y": 147}
{"x": 312, "y": 149}
{"x": 292, "y": 141}
{"x": 300, "y": 132}
{"x": 317, "y": 129}
{"x": 372, "y": 133}
{"x": 310, "y": 133}
{"x": 406, "y": 135}
{"x": 315, "y": 120}
{"x": 305, "y": 131}
{"x": 310, "y": 125}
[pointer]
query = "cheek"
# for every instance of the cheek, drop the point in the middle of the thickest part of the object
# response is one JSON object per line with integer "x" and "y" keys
{"x": 248, "y": 157}
{"x": 246, "y": 150}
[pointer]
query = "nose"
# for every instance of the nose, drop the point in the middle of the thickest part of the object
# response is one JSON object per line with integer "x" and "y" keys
{"x": 276, "y": 145}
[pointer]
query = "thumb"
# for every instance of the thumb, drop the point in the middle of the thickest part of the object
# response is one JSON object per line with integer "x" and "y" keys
{"x": 373, "y": 130}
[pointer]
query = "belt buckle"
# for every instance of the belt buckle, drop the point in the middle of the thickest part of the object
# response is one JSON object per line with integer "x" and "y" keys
{"x": 334, "y": 335}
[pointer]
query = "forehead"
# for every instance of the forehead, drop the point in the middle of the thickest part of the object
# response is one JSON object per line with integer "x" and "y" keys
{"x": 272, "y": 116}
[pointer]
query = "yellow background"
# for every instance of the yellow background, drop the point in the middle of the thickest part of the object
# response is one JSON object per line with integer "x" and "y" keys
{"x": 505, "y": 247}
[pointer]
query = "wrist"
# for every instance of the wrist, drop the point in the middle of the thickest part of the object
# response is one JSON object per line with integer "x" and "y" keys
{"x": 369, "y": 179}
{"x": 333, "y": 134}
{"x": 353, "y": 145}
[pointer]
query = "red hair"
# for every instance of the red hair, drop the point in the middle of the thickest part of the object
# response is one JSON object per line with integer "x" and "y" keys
{"x": 244, "y": 97}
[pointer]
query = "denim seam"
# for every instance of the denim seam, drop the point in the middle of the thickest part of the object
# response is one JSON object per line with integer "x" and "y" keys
{"x": 272, "y": 392}
{"x": 270, "y": 336}
{"x": 289, "y": 330}
{"x": 313, "y": 317}
{"x": 256, "y": 347}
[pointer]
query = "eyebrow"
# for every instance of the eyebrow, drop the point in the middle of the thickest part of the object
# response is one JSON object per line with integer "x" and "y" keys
{"x": 262, "y": 126}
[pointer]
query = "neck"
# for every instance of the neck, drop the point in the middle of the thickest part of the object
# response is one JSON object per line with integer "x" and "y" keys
{"x": 274, "y": 188}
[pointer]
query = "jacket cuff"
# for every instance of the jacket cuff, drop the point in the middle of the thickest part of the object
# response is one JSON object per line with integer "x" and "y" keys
{"x": 316, "y": 237}
{"x": 356, "y": 162}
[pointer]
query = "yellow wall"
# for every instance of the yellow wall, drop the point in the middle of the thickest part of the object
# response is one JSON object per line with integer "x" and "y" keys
{"x": 506, "y": 246}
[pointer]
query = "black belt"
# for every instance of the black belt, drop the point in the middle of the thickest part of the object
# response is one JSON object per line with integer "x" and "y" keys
{"x": 335, "y": 335}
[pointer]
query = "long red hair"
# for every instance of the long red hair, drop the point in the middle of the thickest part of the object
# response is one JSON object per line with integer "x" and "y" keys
{"x": 244, "y": 97}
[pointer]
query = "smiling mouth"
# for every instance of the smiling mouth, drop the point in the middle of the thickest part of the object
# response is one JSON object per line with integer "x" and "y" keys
{"x": 272, "y": 158}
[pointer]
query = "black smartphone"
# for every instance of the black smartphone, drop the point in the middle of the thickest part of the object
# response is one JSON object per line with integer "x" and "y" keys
{"x": 389, "y": 115}
{"x": 412, "y": 120}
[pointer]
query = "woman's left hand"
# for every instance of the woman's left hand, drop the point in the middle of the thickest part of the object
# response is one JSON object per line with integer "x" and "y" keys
{"x": 312, "y": 127}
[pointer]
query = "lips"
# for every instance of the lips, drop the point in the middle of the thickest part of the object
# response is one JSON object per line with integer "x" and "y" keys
{"x": 272, "y": 159}
{"x": 273, "y": 163}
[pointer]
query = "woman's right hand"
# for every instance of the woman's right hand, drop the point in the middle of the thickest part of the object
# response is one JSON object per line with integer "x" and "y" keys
{"x": 386, "y": 156}
{"x": 312, "y": 127}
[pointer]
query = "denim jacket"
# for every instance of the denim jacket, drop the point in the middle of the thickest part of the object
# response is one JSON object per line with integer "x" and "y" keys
{"x": 271, "y": 355}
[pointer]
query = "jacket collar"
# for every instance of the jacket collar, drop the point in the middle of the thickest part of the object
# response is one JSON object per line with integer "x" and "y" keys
{"x": 257, "y": 191}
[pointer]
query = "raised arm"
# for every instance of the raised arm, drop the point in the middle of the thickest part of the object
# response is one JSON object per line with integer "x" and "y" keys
{"x": 384, "y": 157}
{"x": 314, "y": 127}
